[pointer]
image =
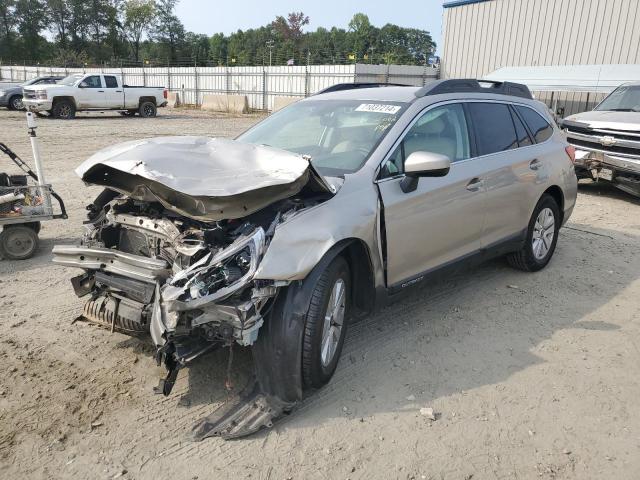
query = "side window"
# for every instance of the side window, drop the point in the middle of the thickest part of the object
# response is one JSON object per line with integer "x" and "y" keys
{"x": 495, "y": 131}
{"x": 523, "y": 137}
{"x": 93, "y": 81}
{"x": 539, "y": 127}
{"x": 440, "y": 130}
{"x": 111, "y": 81}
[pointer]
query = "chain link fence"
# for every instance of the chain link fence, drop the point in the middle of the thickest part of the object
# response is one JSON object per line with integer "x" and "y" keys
{"x": 260, "y": 84}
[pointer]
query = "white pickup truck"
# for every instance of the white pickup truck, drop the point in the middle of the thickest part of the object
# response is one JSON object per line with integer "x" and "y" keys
{"x": 91, "y": 91}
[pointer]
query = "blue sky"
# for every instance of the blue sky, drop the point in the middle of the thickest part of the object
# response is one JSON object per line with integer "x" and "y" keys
{"x": 207, "y": 16}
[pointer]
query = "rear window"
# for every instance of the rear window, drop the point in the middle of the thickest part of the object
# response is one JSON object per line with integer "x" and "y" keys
{"x": 494, "y": 128}
{"x": 110, "y": 81}
{"x": 523, "y": 137}
{"x": 538, "y": 126}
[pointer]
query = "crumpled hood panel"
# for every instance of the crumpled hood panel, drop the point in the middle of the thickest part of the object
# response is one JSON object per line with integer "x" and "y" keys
{"x": 204, "y": 178}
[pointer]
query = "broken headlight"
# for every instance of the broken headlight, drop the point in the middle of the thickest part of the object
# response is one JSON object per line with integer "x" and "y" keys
{"x": 216, "y": 276}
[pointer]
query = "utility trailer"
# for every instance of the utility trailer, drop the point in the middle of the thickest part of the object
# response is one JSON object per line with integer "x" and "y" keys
{"x": 23, "y": 206}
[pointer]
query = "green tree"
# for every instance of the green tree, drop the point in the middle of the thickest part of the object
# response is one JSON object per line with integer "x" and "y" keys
{"x": 218, "y": 48}
{"x": 32, "y": 21}
{"x": 138, "y": 19}
{"x": 168, "y": 30}
{"x": 7, "y": 27}
{"x": 360, "y": 30}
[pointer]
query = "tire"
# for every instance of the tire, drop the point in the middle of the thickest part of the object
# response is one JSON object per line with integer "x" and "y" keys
{"x": 18, "y": 242}
{"x": 539, "y": 247}
{"x": 15, "y": 103}
{"x": 323, "y": 334}
{"x": 147, "y": 110}
{"x": 64, "y": 110}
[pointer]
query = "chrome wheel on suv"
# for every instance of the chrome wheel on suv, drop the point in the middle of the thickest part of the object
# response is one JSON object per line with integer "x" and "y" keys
{"x": 544, "y": 232}
{"x": 542, "y": 235}
{"x": 325, "y": 324}
{"x": 333, "y": 320}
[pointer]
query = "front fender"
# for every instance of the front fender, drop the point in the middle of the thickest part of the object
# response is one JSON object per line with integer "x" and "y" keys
{"x": 301, "y": 242}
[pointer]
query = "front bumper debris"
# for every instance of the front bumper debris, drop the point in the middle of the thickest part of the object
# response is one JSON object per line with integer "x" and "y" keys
{"x": 622, "y": 172}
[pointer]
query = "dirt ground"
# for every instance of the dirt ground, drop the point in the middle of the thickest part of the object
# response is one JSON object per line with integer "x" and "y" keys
{"x": 530, "y": 375}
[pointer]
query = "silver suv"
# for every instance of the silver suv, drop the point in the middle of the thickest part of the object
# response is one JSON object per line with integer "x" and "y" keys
{"x": 316, "y": 216}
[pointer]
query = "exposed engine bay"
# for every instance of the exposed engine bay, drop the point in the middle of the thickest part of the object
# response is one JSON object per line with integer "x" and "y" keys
{"x": 186, "y": 281}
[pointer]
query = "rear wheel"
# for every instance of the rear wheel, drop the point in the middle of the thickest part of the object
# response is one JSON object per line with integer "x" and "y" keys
{"x": 147, "y": 109}
{"x": 325, "y": 326}
{"x": 15, "y": 102}
{"x": 18, "y": 242}
{"x": 542, "y": 236}
{"x": 64, "y": 109}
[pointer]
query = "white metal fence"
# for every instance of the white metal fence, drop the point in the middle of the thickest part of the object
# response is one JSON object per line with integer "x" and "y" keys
{"x": 260, "y": 84}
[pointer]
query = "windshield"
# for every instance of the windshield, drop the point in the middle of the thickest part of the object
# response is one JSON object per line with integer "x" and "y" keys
{"x": 338, "y": 135}
{"x": 623, "y": 99}
{"x": 70, "y": 80}
{"x": 30, "y": 82}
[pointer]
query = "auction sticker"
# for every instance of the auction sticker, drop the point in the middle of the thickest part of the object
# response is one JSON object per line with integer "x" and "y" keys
{"x": 378, "y": 108}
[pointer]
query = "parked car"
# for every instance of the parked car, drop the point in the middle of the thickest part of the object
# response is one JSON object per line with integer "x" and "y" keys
{"x": 317, "y": 215}
{"x": 81, "y": 92}
{"x": 607, "y": 139}
{"x": 11, "y": 95}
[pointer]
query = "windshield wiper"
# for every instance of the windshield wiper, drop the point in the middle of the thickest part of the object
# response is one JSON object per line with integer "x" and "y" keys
{"x": 623, "y": 110}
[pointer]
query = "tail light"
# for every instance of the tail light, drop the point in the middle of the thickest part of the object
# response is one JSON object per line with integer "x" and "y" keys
{"x": 164, "y": 94}
{"x": 571, "y": 152}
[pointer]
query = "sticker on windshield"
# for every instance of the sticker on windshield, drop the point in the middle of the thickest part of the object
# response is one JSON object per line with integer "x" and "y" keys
{"x": 378, "y": 108}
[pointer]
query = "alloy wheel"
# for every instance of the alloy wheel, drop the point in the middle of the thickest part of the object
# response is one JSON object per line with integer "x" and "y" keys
{"x": 333, "y": 322}
{"x": 17, "y": 104}
{"x": 543, "y": 232}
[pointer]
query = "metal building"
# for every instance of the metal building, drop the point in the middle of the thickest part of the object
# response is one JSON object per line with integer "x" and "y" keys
{"x": 482, "y": 36}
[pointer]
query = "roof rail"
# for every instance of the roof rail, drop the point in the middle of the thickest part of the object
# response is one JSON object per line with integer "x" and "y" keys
{"x": 471, "y": 85}
{"x": 352, "y": 86}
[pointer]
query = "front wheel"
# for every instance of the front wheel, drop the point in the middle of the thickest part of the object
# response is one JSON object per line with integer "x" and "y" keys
{"x": 542, "y": 236}
{"x": 63, "y": 109}
{"x": 325, "y": 326}
{"x": 147, "y": 109}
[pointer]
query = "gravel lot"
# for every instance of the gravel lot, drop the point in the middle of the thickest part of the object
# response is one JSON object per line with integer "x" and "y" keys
{"x": 531, "y": 375}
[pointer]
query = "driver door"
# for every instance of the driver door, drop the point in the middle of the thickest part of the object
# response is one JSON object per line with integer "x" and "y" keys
{"x": 441, "y": 220}
{"x": 91, "y": 93}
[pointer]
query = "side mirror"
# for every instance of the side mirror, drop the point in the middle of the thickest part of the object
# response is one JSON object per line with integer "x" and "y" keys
{"x": 423, "y": 164}
{"x": 83, "y": 85}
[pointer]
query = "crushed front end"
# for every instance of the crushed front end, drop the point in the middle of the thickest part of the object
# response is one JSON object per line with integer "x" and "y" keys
{"x": 174, "y": 266}
{"x": 187, "y": 283}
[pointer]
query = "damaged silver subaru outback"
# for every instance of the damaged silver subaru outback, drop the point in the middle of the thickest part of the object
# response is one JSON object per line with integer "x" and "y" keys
{"x": 316, "y": 216}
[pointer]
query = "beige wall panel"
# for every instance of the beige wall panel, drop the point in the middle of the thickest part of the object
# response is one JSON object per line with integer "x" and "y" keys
{"x": 481, "y": 37}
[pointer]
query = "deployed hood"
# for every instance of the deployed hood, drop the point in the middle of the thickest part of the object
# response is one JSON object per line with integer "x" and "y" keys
{"x": 203, "y": 178}
{"x": 606, "y": 119}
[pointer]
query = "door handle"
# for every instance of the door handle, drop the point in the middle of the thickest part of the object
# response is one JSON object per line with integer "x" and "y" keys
{"x": 474, "y": 184}
{"x": 118, "y": 91}
{"x": 100, "y": 91}
{"x": 535, "y": 164}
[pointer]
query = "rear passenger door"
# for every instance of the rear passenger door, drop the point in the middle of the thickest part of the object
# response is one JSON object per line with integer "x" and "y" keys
{"x": 114, "y": 97}
{"x": 440, "y": 221}
{"x": 513, "y": 172}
